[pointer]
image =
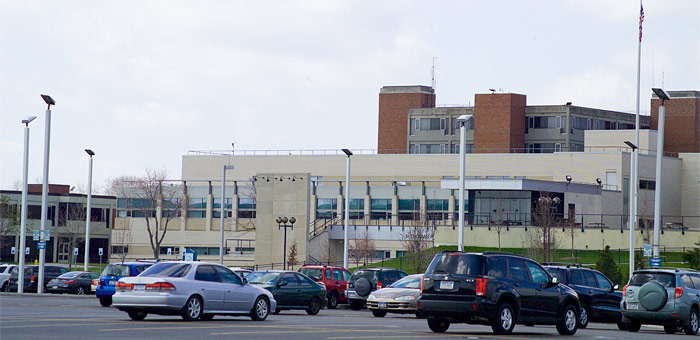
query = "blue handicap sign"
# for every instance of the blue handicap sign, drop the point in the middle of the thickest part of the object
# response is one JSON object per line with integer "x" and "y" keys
{"x": 35, "y": 235}
{"x": 189, "y": 255}
{"x": 647, "y": 250}
{"x": 655, "y": 262}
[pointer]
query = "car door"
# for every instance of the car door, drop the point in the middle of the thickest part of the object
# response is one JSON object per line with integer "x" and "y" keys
{"x": 288, "y": 290}
{"x": 519, "y": 277}
{"x": 578, "y": 283}
{"x": 595, "y": 294}
{"x": 307, "y": 290}
{"x": 209, "y": 285}
{"x": 236, "y": 296}
{"x": 547, "y": 294}
{"x": 339, "y": 281}
{"x": 607, "y": 303}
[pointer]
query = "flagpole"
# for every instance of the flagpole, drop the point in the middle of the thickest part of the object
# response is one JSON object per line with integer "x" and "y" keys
{"x": 634, "y": 172}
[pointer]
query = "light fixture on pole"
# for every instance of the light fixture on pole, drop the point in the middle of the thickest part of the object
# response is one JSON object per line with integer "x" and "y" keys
{"x": 282, "y": 223}
{"x": 223, "y": 211}
{"x": 23, "y": 217}
{"x": 347, "y": 208}
{"x": 663, "y": 95}
{"x": 45, "y": 188}
{"x": 89, "y": 209}
{"x": 631, "y": 207}
{"x": 462, "y": 121}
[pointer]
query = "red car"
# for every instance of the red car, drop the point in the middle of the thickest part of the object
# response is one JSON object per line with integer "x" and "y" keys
{"x": 335, "y": 279}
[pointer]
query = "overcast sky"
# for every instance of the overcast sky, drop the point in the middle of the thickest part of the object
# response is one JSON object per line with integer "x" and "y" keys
{"x": 143, "y": 82}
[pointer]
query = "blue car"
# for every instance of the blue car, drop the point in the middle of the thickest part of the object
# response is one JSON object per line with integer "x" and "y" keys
{"x": 112, "y": 273}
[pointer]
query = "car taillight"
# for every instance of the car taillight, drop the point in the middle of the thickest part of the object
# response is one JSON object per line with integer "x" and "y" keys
{"x": 69, "y": 282}
{"x": 678, "y": 292}
{"x": 124, "y": 286}
{"x": 347, "y": 286}
{"x": 379, "y": 285}
{"x": 624, "y": 290}
{"x": 161, "y": 286}
{"x": 32, "y": 278}
{"x": 421, "y": 284}
{"x": 481, "y": 286}
{"x": 96, "y": 282}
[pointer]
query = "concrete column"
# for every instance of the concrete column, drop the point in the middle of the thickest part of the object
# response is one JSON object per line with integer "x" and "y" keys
{"x": 451, "y": 208}
{"x": 312, "y": 210}
{"x": 395, "y": 209}
{"x": 210, "y": 204}
{"x": 16, "y": 257}
{"x": 423, "y": 208}
{"x": 183, "y": 211}
{"x": 368, "y": 205}
{"x": 234, "y": 211}
{"x": 341, "y": 205}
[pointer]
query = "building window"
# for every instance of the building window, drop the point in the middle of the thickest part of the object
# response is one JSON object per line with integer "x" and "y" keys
{"x": 206, "y": 250}
{"x": 437, "y": 209}
{"x": 401, "y": 253}
{"x": 430, "y": 123}
{"x": 380, "y": 209}
{"x": 647, "y": 184}
{"x": 326, "y": 208}
{"x": 246, "y": 208}
{"x": 120, "y": 249}
{"x": 197, "y": 208}
{"x": 129, "y": 207}
{"x": 409, "y": 209}
{"x": 164, "y": 250}
{"x": 357, "y": 208}
{"x": 171, "y": 207}
{"x": 216, "y": 209}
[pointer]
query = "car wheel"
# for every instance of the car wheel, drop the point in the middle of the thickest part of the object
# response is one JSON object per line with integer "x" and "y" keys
{"x": 137, "y": 315}
{"x": 568, "y": 324}
{"x": 633, "y": 326}
{"x": 207, "y": 317}
{"x": 261, "y": 309}
{"x": 622, "y": 326}
{"x": 5, "y": 287}
{"x": 583, "y": 318}
{"x": 333, "y": 300}
{"x": 379, "y": 313}
{"x": 438, "y": 326}
{"x": 505, "y": 319}
{"x": 106, "y": 301}
{"x": 193, "y": 309}
{"x": 80, "y": 290}
{"x": 355, "y": 305}
{"x": 314, "y": 306}
{"x": 670, "y": 329}
{"x": 693, "y": 324}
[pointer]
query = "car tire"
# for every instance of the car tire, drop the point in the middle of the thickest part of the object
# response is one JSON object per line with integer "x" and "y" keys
{"x": 314, "y": 306}
{"x": 333, "y": 300}
{"x": 261, "y": 309}
{"x": 355, "y": 305}
{"x": 505, "y": 319}
{"x": 693, "y": 322}
{"x": 137, "y": 315}
{"x": 670, "y": 329}
{"x": 568, "y": 323}
{"x": 5, "y": 287}
{"x": 192, "y": 311}
{"x": 106, "y": 301}
{"x": 633, "y": 326}
{"x": 438, "y": 326}
{"x": 622, "y": 326}
{"x": 379, "y": 313}
{"x": 583, "y": 317}
{"x": 80, "y": 290}
{"x": 207, "y": 317}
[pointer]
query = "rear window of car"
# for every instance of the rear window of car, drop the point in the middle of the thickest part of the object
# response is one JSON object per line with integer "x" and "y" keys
{"x": 69, "y": 275}
{"x": 370, "y": 275}
{"x": 262, "y": 277}
{"x": 313, "y": 273}
{"x": 407, "y": 282}
{"x": 2, "y": 269}
{"x": 116, "y": 270}
{"x": 664, "y": 279}
{"x": 457, "y": 263}
{"x": 559, "y": 273}
{"x": 167, "y": 270}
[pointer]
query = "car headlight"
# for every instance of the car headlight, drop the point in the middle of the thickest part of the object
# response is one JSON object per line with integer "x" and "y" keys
{"x": 405, "y": 298}
{"x": 371, "y": 297}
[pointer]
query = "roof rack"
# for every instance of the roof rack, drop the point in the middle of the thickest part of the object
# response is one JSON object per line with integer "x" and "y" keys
{"x": 672, "y": 268}
{"x": 502, "y": 253}
{"x": 567, "y": 264}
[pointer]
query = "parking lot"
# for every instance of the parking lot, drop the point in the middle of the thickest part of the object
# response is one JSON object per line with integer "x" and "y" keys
{"x": 69, "y": 317}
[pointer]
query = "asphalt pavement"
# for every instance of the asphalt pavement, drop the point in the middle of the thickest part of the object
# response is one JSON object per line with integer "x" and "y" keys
{"x": 70, "y": 317}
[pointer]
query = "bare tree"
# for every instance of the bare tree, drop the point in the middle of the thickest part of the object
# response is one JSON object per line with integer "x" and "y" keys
{"x": 113, "y": 185}
{"x": 418, "y": 241}
{"x": 9, "y": 220}
{"x": 73, "y": 232}
{"x": 499, "y": 217}
{"x": 572, "y": 232}
{"x": 646, "y": 218}
{"x": 362, "y": 249}
{"x": 292, "y": 257}
{"x": 121, "y": 238}
{"x": 542, "y": 240}
{"x": 250, "y": 193}
{"x": 150, "y": 194}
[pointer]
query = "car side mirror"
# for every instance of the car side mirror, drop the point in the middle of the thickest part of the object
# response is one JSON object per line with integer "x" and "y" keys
{"x": 616, "y": 287}
{"x": 245, "y": 281}
{"x": 554, "y": 281}
{"x": 282, "y": 284}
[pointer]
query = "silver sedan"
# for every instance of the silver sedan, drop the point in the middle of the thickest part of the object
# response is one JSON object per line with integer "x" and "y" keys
{"x": 194, "y": 290}
{"x": 399, "y": 297}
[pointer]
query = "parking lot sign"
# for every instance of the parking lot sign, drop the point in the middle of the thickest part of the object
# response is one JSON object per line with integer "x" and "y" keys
{"x": 170, "y": 251}
{"x": 35, "y": 235}
{"x": 75, "y": 251}
{"x": 647, "y": 250}
{"x": 47, "y": 235}
{"x": 26, "y": 251}
{"x": 12, "y": 250}
{"x": 655, "y": 262}
{"x": 99, "y": 252}
{"x": 41, "y": 245}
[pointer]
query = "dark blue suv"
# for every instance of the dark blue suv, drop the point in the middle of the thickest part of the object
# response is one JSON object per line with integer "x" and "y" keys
{"x": 112, "y": 273}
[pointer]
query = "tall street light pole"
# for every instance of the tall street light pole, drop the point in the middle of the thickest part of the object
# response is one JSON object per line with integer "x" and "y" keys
{"x": 88, "y": 214}
{"x": 631, "y": 207}
{"x": 462, "y": 120}
{"x": 223, "y": 211}
{"x": 346, "y": 210}
{"x": 45, "y": 189}
{"x": 23, "y": 218}
{"x": 659, "y": 158}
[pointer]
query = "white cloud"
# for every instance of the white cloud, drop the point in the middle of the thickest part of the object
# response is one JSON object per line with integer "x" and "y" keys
{"x": 598, "y": 88}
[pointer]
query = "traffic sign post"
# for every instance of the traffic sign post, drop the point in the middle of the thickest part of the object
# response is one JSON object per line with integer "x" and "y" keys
{"x": 26, "y": 251}
{"x": 35, "y": 235}
{"x": 13, "y": 250}
{"x": 647, "y": 250}
{"x": 75, "y": 254}
{"x": 654, "y": 262}
{"x": 47, "y": 235}
{"x": 100, "y": 252}
{"x": 41, "y": 245}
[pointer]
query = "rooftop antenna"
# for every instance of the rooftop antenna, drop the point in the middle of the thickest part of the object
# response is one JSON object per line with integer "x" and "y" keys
{"x": 662, "y": 79}
{"x": 432, "y": 74}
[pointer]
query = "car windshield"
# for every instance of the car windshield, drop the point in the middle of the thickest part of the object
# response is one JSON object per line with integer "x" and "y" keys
{"x": 370, "y": 275}
{"x": 313, "y": 273}
{"x": 262, "y": 277}
{"x": 456, "y": 263}
{"x": 407, "y": 282}
{"x": 116, "y": 270}
{"x": 664, "y": 279}
{"x": 167, "y": 269}
{"x": 69, "y": 275}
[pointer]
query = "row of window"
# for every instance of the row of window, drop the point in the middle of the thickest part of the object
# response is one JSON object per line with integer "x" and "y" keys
{"x": 197, "y": 207}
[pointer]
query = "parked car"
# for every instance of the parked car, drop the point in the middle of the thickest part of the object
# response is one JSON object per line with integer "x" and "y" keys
{"x": 72, "y": 282}
{"x": 334, "y": 278}
{"x": 495, "y": 289}
{"x": 668, "y": 297}
{"x": 291, "y": 290}
{"x": 5, "y": 270}
{"x": 600, "y": 299}
{"x": 112, "y": 273}
{"x": 399, "y": 297}
{"x": 31, "y": 277}
{"x": 241, "y": 271}
{"x": 194, "y": 290}
{"x": 366, "y": 280}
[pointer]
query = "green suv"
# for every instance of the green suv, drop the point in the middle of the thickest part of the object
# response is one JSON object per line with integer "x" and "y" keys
{"x": 662, "y": 296}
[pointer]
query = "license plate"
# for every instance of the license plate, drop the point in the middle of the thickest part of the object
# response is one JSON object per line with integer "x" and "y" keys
{"x": 447, "y": 284}
{"x": 352, "y": 294}
{"x": 112, "y": 282}
{"x": 633, "y": 306}
{"x": 139, "y": 287}
{"x": 382, "y": 304}
{"x": 54, "y": 287}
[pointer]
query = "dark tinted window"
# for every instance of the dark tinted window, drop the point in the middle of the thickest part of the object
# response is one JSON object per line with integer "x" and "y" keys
{"x": 370, "y": 275}
{"x": 696, "y": 280}
{"x": 228, "y": 276}
{"x": 262, "y": 277}
{"x": 69, "y": 275}
{"x": 167, "y": 269}
{"x": 590, "y": 279}
{"x": 577, "y": 277}
{"x": 537, "y": 273}
{"x": 497, "y": 267}
{"x": 517, "y": 270}
{"x": 337, "y": 275}
{"x": 314, "y": 273}
{"x": 559, "y": 273}
{"x": 603, "y": 283}
{"x": 666, "y": 280}
{"x": 206, "y": 273}
{"x": 290, "y": 279}
{"x": 688, "y": 282}
{"x": 304, "y": 281}
{"x": 328, "y": 274}
{"x": 140, "y": 269}
{"x": 457, "y": 263}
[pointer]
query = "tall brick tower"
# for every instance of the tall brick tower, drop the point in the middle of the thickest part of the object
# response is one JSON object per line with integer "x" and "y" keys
{"x": 682, "y": 122}
{"x": 394, "y": 103}
{"x": 499, "y": 122}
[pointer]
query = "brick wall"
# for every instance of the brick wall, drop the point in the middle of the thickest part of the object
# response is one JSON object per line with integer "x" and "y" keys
{"x": 682, "y": 124}
{"x": 499, "y": 122}
{"x": 393, "y": 118}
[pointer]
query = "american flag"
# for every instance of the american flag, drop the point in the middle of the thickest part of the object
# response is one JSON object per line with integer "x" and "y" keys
{"x": 641, "y": 20}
